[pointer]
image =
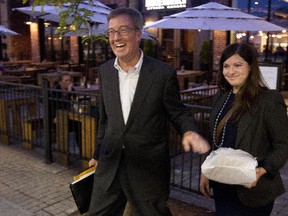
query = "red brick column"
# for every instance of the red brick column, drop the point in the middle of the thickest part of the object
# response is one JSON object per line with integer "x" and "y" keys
{"x": 35, "y": 46}
{"x": 74, "y": 49}
{"x": 219, "y": 44}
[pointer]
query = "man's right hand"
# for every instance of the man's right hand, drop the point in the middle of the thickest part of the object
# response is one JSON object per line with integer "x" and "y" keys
{"x": 195, "y": 142}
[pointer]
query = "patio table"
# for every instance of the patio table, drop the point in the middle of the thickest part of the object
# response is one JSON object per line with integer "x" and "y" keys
{"x": 88, "y": 134}
{"x": 185, "y": 76}
{"x": 14, "y": 101}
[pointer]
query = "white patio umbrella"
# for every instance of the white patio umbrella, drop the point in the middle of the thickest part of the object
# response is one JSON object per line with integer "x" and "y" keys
{"x": 38, "y": 11}
{"x": 100, "y": 12}
{"x": 51, "y": 13}
{"x": 96, "y": 29}
{"x": 215, "y": 16}
{"x": 6, "y": 31}
{"x": 101, "y": 29}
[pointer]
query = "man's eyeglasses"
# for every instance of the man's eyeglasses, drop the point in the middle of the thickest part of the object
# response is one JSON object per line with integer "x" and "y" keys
{"x": 122, "y": 31}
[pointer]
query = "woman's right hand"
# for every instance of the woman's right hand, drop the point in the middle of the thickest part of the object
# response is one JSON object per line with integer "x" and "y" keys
{"x": 205, "y": 186}
{"x": 92, "y": 162}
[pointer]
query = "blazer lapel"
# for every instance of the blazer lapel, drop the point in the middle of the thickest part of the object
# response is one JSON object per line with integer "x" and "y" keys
{"x": 242, "y": 127}
{"x": 146, "y": 78}
{"x": 244, "y": 122}
{"x": 114, "y": 93}
{"x": 217, "y": 108}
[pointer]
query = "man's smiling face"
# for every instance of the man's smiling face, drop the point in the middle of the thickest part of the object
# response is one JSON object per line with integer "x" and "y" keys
{"x": 125, "y": 40}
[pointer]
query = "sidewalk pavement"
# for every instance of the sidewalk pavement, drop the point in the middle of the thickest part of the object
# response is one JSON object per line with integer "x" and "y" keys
{"x": 30, "y": 187}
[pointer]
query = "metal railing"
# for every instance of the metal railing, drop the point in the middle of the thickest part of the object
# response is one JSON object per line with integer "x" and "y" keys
{"x": 200, "y": 95}
{"x": 186, "y": 166}
{"x": 64, "y": 126}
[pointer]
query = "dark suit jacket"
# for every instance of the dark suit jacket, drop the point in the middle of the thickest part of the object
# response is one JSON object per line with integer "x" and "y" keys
{"x": 263, "y": 132}
{"x": 144, "y": 136}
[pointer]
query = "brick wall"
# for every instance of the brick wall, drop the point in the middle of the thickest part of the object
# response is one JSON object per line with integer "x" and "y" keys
{"x": 20, "y": 48}
{"x": 112, "y": 3}
{"x": 219, "y": 43}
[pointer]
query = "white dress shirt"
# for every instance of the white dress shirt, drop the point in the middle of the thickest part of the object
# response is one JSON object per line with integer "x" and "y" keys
{"x": 127, "y": 85}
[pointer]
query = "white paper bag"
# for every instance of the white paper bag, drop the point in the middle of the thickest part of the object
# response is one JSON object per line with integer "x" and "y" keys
{"x": 230, "y": 166}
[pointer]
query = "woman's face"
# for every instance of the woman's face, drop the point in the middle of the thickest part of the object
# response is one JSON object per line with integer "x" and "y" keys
{"x": 66, "y": 82}
{"x": 236, "y": 71}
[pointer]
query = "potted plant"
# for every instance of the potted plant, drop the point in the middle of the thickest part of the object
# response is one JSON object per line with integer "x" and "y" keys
{"x": 148, "y": 48}
{"x": 205, "y": 56}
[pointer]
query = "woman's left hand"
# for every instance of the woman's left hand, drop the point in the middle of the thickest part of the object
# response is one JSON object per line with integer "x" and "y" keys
{"x": 260, "y": 171}
{"x": 205, "y": 186}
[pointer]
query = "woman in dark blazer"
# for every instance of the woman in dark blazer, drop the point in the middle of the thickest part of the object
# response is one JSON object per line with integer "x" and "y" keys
{"x": 256, "y": 123}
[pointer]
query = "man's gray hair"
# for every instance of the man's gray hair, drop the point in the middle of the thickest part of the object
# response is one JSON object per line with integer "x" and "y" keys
{"x": 134, "y": 14}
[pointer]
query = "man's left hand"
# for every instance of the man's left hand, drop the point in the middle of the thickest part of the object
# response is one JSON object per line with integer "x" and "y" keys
{"x": 195, "y": 142}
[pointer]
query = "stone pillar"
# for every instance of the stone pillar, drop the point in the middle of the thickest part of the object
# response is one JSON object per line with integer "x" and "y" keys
{"x": 35, "y": 44}
{"x": 74, "y": 49}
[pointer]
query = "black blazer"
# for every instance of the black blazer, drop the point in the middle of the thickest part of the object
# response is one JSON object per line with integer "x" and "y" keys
{"x": 144, "y": 137}
{"x": 263, "y": 132}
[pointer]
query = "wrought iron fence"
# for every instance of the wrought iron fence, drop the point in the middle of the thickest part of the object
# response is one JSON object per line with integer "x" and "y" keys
{"x": 200, "y": 95}
{"x": 185, "y": 166}
{"x": 64, "y": 126}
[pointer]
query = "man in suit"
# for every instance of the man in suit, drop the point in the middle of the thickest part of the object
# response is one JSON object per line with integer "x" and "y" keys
{"x": 138, "y": 95}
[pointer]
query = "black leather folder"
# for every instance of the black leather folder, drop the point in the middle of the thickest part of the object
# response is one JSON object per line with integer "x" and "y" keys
{"x": 81, "y": 189}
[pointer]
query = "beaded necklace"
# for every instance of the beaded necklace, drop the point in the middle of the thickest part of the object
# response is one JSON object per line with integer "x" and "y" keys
{"x": 216, "y": 123}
